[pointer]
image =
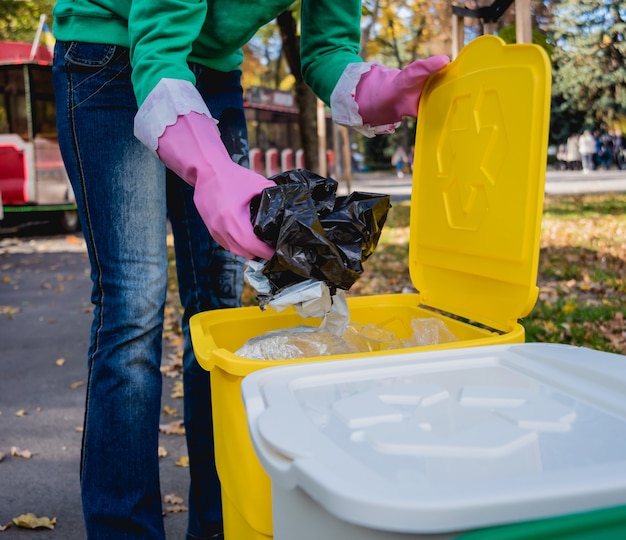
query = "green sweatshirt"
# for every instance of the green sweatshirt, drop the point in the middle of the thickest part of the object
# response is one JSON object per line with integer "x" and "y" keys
{"x": 163, "y": 35}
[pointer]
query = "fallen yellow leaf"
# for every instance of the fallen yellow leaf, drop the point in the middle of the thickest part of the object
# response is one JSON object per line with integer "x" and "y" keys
{"x": 569, "y": 306}
{"x": 173, "y": 428}
{"x": 21, "y": 412}
{"x": 31, "y": 521}
{"x": 71, "y": 239}
{"x": 176, "y": 508}
{"x": 183, "y": 462}
{"x": 171, "y": 411}
{"x": 177, "y": 390}
{"x": 549, "y": 326}
{"x": 162, "y": 452}
{"x": 170, "y": 498}
{"x": 60, "y": 361}
{"x": 17, "y": 452}
{"x": 77, "y": 384}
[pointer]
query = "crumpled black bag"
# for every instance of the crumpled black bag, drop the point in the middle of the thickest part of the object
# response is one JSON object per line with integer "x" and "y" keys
{"x": 316, "y": 234}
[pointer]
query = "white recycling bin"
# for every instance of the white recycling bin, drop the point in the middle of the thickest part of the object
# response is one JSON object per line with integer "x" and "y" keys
{"x": 444, "y": 443}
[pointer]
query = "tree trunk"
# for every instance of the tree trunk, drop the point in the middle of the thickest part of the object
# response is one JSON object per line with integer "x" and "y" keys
{"x": 307, "y": 103}
{"x": 306, "y": 100}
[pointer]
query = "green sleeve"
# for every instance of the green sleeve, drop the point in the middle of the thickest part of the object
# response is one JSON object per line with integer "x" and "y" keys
{"x": 330, "y": 39}
{"x": 161, "y": 34}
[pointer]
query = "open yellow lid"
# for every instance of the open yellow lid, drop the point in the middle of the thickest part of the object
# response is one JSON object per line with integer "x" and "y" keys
{"x": 478, "y": 182}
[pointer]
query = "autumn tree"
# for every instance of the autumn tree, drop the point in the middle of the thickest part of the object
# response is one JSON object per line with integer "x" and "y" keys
{"x": 19, "y": 19}
{"x": 408, "y": 30}
{"x": 396, "y": 34}
{"x": 590, "y": 59}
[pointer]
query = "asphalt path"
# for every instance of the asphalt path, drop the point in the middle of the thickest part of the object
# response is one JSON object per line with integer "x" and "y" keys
{"x": 557, "y": 183}
{"x": 45, "y": 315}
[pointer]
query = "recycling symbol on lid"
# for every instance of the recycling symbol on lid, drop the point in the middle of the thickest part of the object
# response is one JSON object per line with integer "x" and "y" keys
{"x": 471, "y": 155}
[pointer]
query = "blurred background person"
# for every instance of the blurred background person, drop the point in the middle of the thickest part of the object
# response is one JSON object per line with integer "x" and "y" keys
{"x": 587, "y": 148}
{"x": 399, "y": 161}
{"x": 618, "y": 150}
{"x": 605, "y": 152}
{"x": 574, "y": 159}
{"x": 561, "y": 157}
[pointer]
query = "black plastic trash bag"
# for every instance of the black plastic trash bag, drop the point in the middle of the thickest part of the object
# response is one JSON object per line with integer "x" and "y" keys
{"x": 316, "y": 234}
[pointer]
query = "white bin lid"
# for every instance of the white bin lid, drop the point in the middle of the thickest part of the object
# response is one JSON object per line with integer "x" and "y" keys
{"x": 447, "y": 440}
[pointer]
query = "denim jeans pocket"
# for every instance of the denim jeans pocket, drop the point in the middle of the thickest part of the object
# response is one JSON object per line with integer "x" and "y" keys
{"x": 97, "y": 69}
{"x": 107, "y": 61}
{"x": 89, "y": 54}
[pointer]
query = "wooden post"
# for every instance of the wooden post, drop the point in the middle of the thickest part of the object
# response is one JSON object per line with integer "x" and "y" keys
{"x": 458, "y": 34}
{"x": 523, "y": 22}
{"x": 346, "y": 154}
{"x": 321, "y": 138}
{"x": 489, "y": 28}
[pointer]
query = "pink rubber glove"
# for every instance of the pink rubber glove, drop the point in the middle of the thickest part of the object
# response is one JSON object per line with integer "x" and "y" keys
{"x": 386, "y": 96}
{"x": 192, "y": 148}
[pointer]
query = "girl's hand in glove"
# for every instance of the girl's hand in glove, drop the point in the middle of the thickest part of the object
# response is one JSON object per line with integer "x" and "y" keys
{"x": 386, "y": 96}
{"x": 193, "y": 149}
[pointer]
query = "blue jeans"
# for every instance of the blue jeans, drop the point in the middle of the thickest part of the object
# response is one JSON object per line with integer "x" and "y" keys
{"x": 125, "y": 197}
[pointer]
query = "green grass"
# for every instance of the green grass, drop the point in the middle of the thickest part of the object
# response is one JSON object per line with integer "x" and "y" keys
{"x": 582, "y": 273}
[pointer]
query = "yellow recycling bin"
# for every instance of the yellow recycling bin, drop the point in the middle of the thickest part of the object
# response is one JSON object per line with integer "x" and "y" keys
{"x": 476, "y": 209}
